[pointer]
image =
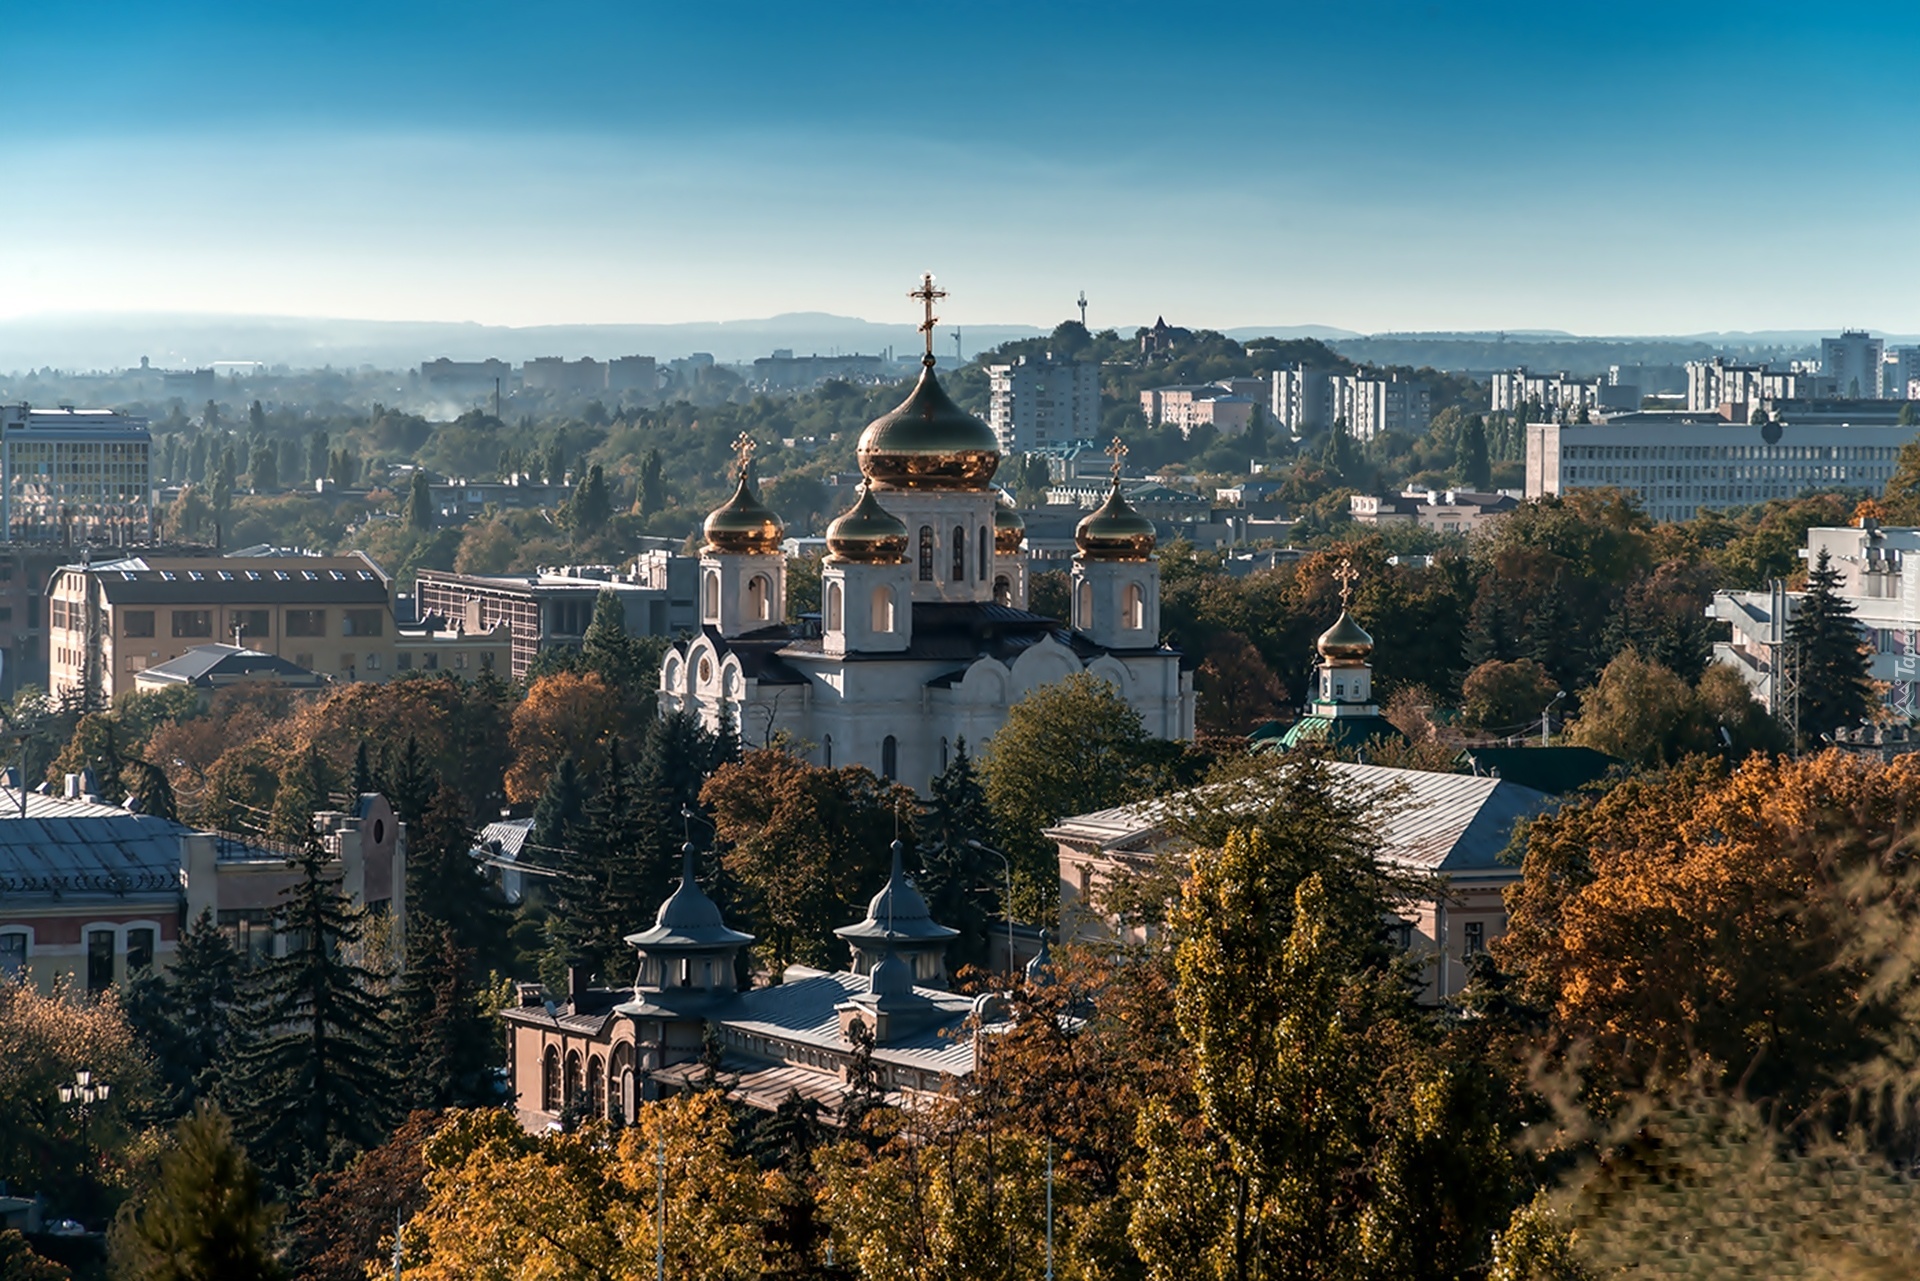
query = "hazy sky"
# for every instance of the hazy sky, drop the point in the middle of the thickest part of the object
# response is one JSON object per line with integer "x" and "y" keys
{"x": 1603, "y": 168}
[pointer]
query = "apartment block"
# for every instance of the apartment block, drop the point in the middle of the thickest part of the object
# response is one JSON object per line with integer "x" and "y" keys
{"x": 1042, "y": 404}
{"x": 70, "y": 475}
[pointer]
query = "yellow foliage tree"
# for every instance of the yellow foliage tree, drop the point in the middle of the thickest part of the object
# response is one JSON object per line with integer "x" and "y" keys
{"x": 562, "y": 714}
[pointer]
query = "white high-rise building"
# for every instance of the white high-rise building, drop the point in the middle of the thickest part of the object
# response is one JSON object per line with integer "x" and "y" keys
{"x": 1042, "y": 404}
{"x": 1855, "y": 361}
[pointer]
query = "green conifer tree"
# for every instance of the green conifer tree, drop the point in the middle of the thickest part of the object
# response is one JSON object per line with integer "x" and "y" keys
{"x": 186, "y": 1015}
{"x": 310, "y": 1088}
{"x": 1470, "y": 460}
{"x": 207, "y": 1218}
{"x": 449, "y": 1048}
{"x": 419, "y": 511}
{"x": 444, "y": 883}
{"x": 603, "y": 896}
{"x": 1835, "y": 689}
{"x": 409, "y": 783}
{"x": 363, "y": 780}
{"x": 592, "y": 504}
{"x": 954, "y": 875}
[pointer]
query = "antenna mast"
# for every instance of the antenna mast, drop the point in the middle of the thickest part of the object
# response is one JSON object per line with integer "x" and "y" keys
{"x": 1083, "y": 309}
{"x": 957, "y": 357}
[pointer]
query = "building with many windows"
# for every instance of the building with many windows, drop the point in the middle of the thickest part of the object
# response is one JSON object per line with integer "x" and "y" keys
{"x": 74, "y": 475}
{"x": 1679, "y": 465}
{"x": 1043, "y": 404}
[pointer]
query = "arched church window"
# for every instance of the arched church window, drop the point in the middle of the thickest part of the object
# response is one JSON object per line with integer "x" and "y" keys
{"x": 1136, "y": 607}
{"x": 926, "y": 553}
{"x": 758, "y": 597}
{"x": 889, "y": 758}
{"x": 620, "y": 1084}
{"x": 984, "y": 543}
{"x": 550, "y": 1100}
{"x": 882, "y": 620}
{"x": 959, "y": 554}
{"x": 706, "y": 670}
{"x": 1084, "y": 608}
{"x": 596, "y": 1099}
{"x": 826, "y": 751}
{"x": 834, "y": 607}
{"x": 1002, "y": 591}
{"x": 570, "y": 1092}
{"x": 711, "y": 608}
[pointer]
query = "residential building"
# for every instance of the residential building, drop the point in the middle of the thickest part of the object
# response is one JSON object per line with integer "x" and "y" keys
{"x": 606, "y": 1049}
{"x": 633, "y": 373}
{"x": 75, "y": 475}
{"x": 1854, "y": 364}
{"x": 1451, "y": 826}
{"x": 1209, "y": 404}
{"x": 1514, "y": 389}
{"x": 1903, "y": 373}
{"x": 1734, "y": 391}
{"x": 1372, "y": 404}
{"x": 784, "y": 371}
{"x": 1885, "y": 598}
{"x": 1301, "y": 399}
{"x": 1679, "y": 464}
{"x": 110, "y": 620}
{"x": 1042, "y": 404}
{"x": 552, "y": 608}
{"x": 1453, "y": 511}
{"x": 556, "y": 373}
{"x": 466, "y": 375}
{"x": 95, "y": 892}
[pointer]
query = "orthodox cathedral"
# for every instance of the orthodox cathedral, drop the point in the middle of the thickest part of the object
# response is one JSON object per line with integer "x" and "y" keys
{"x": 924, "y": 636}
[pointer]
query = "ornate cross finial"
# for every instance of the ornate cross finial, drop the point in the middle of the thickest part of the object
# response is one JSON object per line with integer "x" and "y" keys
{"x": 743, "y": 450}
{"x": 1117, "y": 451}
{"x": 1345, "y": 576}
{"x": 926, "y": 294}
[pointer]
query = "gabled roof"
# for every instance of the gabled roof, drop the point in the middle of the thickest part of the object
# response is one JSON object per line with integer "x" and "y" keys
{"x": 204, "y": 666}
{"x": 1429, "y": 821}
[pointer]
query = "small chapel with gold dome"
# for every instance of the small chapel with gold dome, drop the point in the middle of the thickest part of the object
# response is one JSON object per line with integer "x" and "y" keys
{"x": 924, "y": 635}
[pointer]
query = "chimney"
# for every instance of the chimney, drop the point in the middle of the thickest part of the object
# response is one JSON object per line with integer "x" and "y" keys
{"x": 578, "y": 978}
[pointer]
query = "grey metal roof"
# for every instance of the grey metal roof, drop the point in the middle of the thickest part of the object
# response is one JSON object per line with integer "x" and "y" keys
{"x": 199, "y": 665}
{"x": 259, "y": 580}
{"x": 67, "y": 847}
{"x": 1429, "y": 821}
{"x": 803, "y": 1010}
{"x": 506, "y": 836}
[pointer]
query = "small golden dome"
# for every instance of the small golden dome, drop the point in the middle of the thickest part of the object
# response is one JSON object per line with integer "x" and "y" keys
{"x": 1346, "y": 643}
{"x": 1008, "y": 530}
{"x": 929, "y": 442}
{"x": 743, "y": 525}
{"x": 867, "y": 533}
{"x": 1115, "y": 531}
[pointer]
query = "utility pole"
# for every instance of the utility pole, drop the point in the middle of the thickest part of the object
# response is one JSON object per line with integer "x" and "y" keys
{"x": 660, "y": 1230}
{"x": 957, "y": 357}
{"x": 1083, "y": 303}
{"x": 397, "y": 1253}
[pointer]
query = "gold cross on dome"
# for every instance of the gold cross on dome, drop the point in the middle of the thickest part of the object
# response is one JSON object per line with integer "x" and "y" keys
{"x": 926, "y": 294}
{"x": 1345, "y": 576}
{"x": 1117, "y": 451}
{"x": 743, "y": 449}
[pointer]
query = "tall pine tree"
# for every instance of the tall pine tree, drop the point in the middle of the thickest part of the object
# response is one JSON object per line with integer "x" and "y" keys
{"x": 598, "y": 900}
{"x": 449, "y": 1048}
{"x": 310, "y": 1089}
{"x": 953, "y": 873}
{"x": 1825, "y": 642}
{"x": 187, "y": 1014}
{"x": 206, "y": 1218}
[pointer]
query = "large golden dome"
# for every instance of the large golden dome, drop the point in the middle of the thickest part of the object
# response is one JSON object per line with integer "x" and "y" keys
{"x": 744, "y": 525}
{"x": 1346, "y": 643}
{"x": 867, "y": 533}
{"x": 929, "y": 443}
{"x": 1115, "y": 531}
{"x": 1008, "y": 530}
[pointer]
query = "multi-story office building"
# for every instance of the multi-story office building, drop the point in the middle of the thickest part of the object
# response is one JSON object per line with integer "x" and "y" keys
{"x": 1040, "y": 404}
{"x": 1855, "y": 363}
{"x": 552, "y": 609}
{"x": 109, "y": 620}
{"x": 75, "y": 475}
{"x": 1680, "y": 464}
{"x": 1453, "y": 511}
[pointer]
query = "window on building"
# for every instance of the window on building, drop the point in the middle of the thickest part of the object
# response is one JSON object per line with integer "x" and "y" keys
{"x": 889, "y": 758}
{"x": 250, "y": 624}
{"x": 758, "y": 597}
{"x": 620, "y": 1084}
{"x": 99, "y": 961}
{"x": 984, "y": 541}
{"x": 550, "y": 1100}
{"x": 192, "y": 622}
{"x": 1136, "y": 607}
{"x": 596, "y": 1099}
{"x": 835, "y": 597}
{"x": 959, "y": 554}
{"x": 250, "y": 930}
{"x": 373, "y": 662}
{"x": 404, "y": 660}
{"x": 306, "y": 622}
{"x": 926, "y": 553}
{"x": 486, "y": 661}
{"x": 570, "y": 1090}
{"x": 135, "y": 622}
{"x": 13, "y": 955}
{"x": 460, "y": 660}
{"x": 139, "y": 949}
{"x": 1475, "y": 936}
{"x": 362, "y": 622}
{"x": 882, "y": 610}
{"x": 710, "y": 606}
{"x": 826, "y": 751}
{"x": 1002, "y": 591}
{"x": 1084, "y": 607}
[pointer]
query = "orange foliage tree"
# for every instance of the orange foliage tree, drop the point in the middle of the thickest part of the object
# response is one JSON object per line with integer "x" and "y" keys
{"x": 565, "y": 714}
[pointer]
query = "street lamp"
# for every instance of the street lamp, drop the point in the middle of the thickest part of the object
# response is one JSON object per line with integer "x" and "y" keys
{"x": 1546, "y": 739}
{"x": 83, "y": 1094}
{"x": 1006, "y": 907}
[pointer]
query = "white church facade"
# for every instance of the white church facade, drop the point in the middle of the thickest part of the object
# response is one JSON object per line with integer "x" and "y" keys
{"x": 924, "y": 635}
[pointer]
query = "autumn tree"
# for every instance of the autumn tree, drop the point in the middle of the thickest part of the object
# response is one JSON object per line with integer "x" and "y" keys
{"x": 810, "y": 845}
{"x": 347, "y": 1223}
{"x": 1502, "y": 697}
{"x": 562, "y": 715}
{"x": 207, "y": 1218}
{"x": 1640, "y": 712}
{"x": 1237, "y": 690}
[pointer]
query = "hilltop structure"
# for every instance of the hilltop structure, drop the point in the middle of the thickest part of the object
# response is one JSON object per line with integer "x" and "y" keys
{"x": 924, "y": 636}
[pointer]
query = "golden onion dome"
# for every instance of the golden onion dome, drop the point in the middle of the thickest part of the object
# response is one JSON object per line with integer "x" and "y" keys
{"x": 1346, "y": 643}
{"x": 1115, "y": 531}
{"x": 929, "y": 442}
{"x": 1008, "y": 530}
{"x": 867, "y": 533}
{"x": 743, "y": 525}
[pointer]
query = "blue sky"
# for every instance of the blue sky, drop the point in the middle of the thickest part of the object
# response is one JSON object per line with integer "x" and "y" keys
{"x": 1599, "y": 168}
